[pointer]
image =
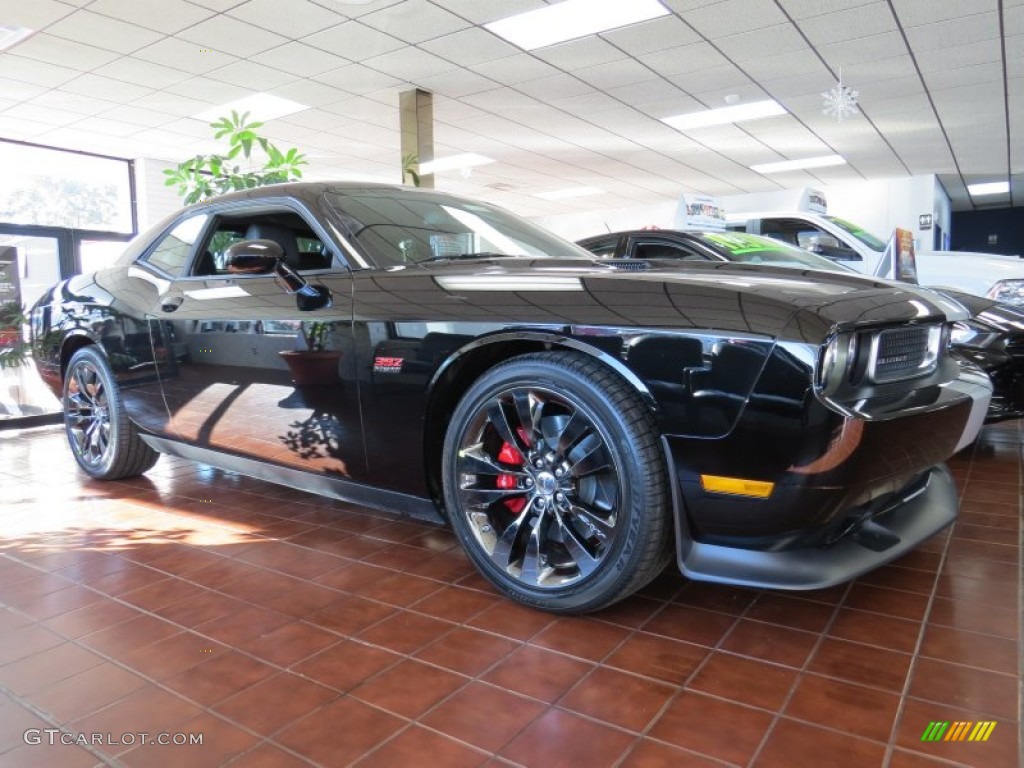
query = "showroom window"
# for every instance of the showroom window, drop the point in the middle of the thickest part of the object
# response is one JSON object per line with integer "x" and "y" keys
{"x": 61, "y": 213}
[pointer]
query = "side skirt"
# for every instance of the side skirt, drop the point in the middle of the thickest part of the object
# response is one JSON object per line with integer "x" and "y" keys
{"x": 344, "y": 490}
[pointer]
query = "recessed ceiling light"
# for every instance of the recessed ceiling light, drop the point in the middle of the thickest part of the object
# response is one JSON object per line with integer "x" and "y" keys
{"x": 796, "y": 165}
{"x": 989, "y": 188}
{"x": 561, "y": 194}
{"x": 12, "y": 34}
{"x": 260, "y": 106}
{"x": 454, "y": 163}
{"x": 753, "y": 110}
{"x": 571, "y": 19}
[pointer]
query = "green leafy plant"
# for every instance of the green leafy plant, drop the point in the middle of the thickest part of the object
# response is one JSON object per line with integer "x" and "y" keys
{"x": 314, "y": 333}
{"x": 14, "y": 350}
{"x": 205, "y": 176}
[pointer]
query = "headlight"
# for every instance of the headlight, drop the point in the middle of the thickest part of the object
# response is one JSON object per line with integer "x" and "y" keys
{"x": 969, "y": 333}
{"x": 835, "y": 362}
{"x": 1007, "y": 291}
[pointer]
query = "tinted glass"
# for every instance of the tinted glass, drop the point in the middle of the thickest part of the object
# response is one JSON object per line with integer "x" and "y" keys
{"x": 755, "y": 249}
{"x": 863, "y": 235}
{"x": 172, "y": 252}
{"x": 401, "y": 227}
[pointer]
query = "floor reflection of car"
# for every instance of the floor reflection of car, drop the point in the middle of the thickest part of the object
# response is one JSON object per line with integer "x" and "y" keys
{"x": 992, "y": 338}
{"x": 579, "y": 425}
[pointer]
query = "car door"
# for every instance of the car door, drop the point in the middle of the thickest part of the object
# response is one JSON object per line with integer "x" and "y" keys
{"x": 242, "y": 381}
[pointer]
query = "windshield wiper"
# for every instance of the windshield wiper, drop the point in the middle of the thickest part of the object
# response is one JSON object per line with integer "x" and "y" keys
{"x": 480, "y": 255}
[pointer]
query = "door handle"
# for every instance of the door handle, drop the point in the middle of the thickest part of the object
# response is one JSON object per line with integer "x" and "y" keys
{"x": 171, "y": 304}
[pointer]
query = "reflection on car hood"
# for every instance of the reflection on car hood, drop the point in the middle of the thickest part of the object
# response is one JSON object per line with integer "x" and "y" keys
{"x": 790, "y": 303}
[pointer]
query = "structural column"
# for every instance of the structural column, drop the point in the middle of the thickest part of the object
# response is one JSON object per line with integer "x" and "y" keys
{"x": 416, "y": 109}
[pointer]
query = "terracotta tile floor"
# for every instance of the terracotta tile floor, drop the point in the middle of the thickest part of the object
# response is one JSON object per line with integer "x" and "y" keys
{"x": 291, "y": 630}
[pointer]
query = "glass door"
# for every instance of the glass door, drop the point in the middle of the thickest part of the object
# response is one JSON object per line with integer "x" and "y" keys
{"x": 29, "y": 265}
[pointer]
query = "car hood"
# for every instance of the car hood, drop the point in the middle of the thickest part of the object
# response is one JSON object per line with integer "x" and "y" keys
{"x": 789, "y": 303}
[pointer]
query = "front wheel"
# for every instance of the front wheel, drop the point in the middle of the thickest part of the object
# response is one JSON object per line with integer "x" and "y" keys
{"x": 554, "y": 483}
{"x": 105, "y": 443}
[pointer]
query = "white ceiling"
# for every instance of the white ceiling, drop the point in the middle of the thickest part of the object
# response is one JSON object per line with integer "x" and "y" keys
{"x": 941, "y": 90}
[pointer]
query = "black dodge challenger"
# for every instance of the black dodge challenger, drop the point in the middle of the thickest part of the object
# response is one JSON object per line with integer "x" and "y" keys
{"x": 577, "y": 421}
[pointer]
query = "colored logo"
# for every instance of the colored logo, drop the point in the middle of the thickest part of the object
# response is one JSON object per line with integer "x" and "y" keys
{"x": 958, "y": 731}
{"x": 388, "y": 364}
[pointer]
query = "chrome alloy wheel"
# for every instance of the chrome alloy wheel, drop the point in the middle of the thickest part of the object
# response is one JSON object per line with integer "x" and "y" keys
{"x": 539, "y": 487}
{"x": 87, "y": 414}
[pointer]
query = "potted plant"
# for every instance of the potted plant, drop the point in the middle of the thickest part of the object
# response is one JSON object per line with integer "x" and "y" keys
{"x": 14, "y": 350}
{"x": 315, "y": 365}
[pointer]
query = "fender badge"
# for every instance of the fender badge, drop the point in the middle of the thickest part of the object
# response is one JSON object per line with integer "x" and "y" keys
{"x": 388, "y": 364}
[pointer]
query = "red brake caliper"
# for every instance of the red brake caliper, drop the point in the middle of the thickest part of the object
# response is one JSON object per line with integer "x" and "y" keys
{"x": 510, "y": 455}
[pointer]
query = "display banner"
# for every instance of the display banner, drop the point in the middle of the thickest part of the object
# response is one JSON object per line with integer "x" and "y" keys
{"x": 10, "y": 297}
{"x": 899, "y": 262}
{"x": 812, "y": 201}
{"x": 700, "y": 212}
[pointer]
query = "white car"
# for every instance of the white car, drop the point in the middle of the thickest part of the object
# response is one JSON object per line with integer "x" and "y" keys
{"x": 1000, "y": 278}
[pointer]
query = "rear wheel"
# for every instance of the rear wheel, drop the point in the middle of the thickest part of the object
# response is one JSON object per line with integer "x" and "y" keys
{"x": 554, "y": 483}
{"x": 105, "y": 443}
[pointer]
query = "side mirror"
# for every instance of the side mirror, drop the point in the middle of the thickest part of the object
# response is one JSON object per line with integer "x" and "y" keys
{"x": 253, "y": 257}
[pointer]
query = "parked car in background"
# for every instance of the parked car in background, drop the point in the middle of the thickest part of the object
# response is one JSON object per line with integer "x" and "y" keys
{"x": 1000, "y": 278}
{"x": 578, "y": 424}
{"x": 992, "y": 337}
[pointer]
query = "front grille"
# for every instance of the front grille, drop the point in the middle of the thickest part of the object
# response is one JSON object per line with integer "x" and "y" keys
{"x": 900, "y": 353}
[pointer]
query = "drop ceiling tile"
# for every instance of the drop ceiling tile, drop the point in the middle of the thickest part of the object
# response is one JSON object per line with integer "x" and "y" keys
{"x": 138, "y": 116}
{"x": 309, "y": 92}
{"x": 862, "y": 74}
{"x": 34, "y": 72}
{"x": 456, "y": 83}
{"x": 655, "y": 96}
{"x": 216, "y": 5}
{"x": 166, "y": 16}
{"x": 554, "y": 88}
{"x": 67, "y": 53}
{"x": 101, "y": 31}
{"x": 851, "y": 24}
{"x": 864, "y": 49}
{"x": 315, "y": 119}
{"x": 897, "y": 87}
{"x": 976, "y": 74}
{"x": 179, "y": 54}
{"x": 484, "y": 11}
{"x": 470, "y": 46}
{"x": 914, "y": 13}
{"x": 590, "y": 104}
{"x": 716, "y": 83}
{"x": 760, "y": 43}
{"x": 162, "y": 101}
{"x": 249, "y": 74}
{"x": 615, "y": 74}
{"x": 207, "y": 89}
{"x": 357, "y": 108}
{"x": 353, "y": 40}
{"x": 132, "y": 70}
{"x": 231, "y": 36}
{"x": 515, "y": 69}
{"x": 979, "y": 28}
{"x": 105, "y": 88}
{"x": 652, "y": 36}
{"x": 47, "y": 115}
{"x": 298, "y": 19}
{"x": 409, "y": 64}
{"x": 414, "y": 21}
{"x": 578, "y": 54}
{"x": 955, "y": 56}
{"x": 685, "y": 58}
{"x": 15, "y": 128}
{"x": 355, "y": 78}
{"x": 299, "y": 59}
{"x": 719, "y": 20}
{"x": 1013, "y": 23}
{"x": 34, "y": 15}
{"x": 107, "y": 127}
{"x": 83, "y": 105}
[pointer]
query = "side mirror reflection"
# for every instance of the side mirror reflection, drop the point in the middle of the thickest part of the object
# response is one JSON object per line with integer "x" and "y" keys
{"x": 253, "y": 257}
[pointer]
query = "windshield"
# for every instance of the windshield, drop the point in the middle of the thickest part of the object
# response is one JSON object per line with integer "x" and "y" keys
{"x": 757, "y": 249}
{"x": 863, "y": 235}
{"x": 397, "y": 226}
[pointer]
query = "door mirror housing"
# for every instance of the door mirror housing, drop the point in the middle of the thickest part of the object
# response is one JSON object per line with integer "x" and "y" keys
{"x": 253, "y": 257}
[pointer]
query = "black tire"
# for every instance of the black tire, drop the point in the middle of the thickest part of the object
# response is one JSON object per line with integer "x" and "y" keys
{"x": 554, "y": 482}
{"x": 104, "y": 441}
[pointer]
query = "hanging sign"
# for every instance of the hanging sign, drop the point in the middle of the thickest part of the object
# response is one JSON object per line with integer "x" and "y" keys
{"x": 701, "y": 212}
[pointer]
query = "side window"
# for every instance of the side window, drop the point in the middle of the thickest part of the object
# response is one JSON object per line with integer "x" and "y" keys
{"x": 787, "y": 230}
{"x": 303, "y": 250}
{"x": 660, "y": 249}
{"x": 603, "y": 249}
{"x": 172, "y": 251}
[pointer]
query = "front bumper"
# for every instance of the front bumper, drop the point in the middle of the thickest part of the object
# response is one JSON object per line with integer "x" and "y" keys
{"x": 920, "y": 510}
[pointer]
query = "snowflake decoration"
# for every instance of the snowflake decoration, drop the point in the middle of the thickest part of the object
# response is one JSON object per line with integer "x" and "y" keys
{"x": 840, "y": 100}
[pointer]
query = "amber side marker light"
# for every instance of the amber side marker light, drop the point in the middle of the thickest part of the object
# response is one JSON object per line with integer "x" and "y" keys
{"x": 736, "y": 486}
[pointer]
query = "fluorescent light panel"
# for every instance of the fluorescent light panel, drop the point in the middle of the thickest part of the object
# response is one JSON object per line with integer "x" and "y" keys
{"x": 573, "y": 18}
{"x": 561, "y": 194}
{"x": 12, "y": 34}
{"x": 454, "y": 163}
{"x": 989, "y": 188}
{"x": 260, "y": 106}
{"x": 753, "y": 110}
{"x": 796, "y": 165}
